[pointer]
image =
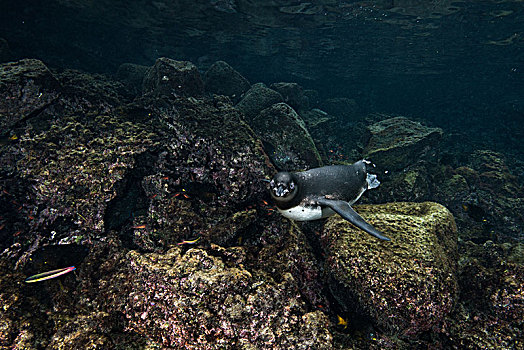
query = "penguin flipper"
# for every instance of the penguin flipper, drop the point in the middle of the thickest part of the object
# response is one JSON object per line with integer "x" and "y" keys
{"x": 344, "y": 209}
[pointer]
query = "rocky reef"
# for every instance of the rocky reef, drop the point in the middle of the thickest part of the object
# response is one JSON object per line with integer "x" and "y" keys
{"x": 152, "y": 185}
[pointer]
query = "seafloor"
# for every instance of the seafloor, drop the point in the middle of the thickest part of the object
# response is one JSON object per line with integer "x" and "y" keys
{"x": 151, "y": 183}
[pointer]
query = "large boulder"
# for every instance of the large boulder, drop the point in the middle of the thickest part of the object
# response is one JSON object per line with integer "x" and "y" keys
{"x": 168, "y": 77}
{"x": 193, "y": 299}
{"x": 26, "y": 87}
{"x": 407, "y": 285}
{"x": 395, "y": 143}
{"x": 293, "y": 95}
{"x": 342, "y": 107}
{"x": 258, "y": 98}
{"x": 132, "y": 76}
{"x": 286, "y": 139}
{"x": 222, "y": 79}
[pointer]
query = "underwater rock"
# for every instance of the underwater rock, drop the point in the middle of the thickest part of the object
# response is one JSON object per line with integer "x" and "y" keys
{"x": 407, "y": 285}
{"x": 168, "y": 77}
{"x": 491, "y": 295}
{"x": 291, "y": 252}
{"x": 494, "y": 175}
{"x": 26, "y": 87}
{"x": 132, "y": 76}
{"x": 208, "y": 171}
{"x": 413, "y": 184}
{"x": 286, "y": 139}
{"x": 398, "y": 142}
{"x": 90, "y": 92}
{"x": 258, "y": 98}
{"x": 342, "y": 107}
{"x": 492, "y": 208}
{"x": 293, "y": 95}
{"x": 336, "y": 138}
{"x": 194, "y": 300}
{"x": 222, "y": 79}
{"x": 313, "y": 97}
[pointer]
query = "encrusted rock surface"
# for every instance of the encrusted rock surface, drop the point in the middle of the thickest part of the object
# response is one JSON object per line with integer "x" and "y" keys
{"x": 194, "y": 301}
{"x": 398, "y": 142}
{"x": 169, "y": 77}
{"x": 132, "y": 76}
{"x": 293, "y": 95}
{"x": 222, "y": 79}
{"x": 258, "y": 98}
{"x": 26, "y": 87}
{"x": 285, "y": 137}
{"x": 407, "y": 285}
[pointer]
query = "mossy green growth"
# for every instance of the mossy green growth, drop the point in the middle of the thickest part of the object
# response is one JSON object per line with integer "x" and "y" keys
{"x": 407, "y": 285}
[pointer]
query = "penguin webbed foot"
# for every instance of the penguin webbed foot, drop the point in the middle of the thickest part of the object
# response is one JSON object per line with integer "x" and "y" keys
{"x": 344, "y": 209}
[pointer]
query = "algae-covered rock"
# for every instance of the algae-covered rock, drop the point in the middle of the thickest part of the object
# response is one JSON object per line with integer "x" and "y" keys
{"x": 398, "y": 142}
{"x": 194, "y": 300}
{"x": 26, "y": 87}
{"x": 407, "y": 285}
{"x": 168, "y": 77}
{"x": 258, "y": 98}
{"x": 286, "y": 139}
{"x": 222, "y": 79}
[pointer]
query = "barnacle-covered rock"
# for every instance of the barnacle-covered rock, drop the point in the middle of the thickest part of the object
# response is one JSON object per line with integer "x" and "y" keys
{"x": 168, "y": 77}
{"x": 222, "y": 79}
{"x": 407, "y": 285}
{"x": 194, "y": 301}
{"x": 26, "y": 87}
{"x": 258, "y": 98}
{"x": 398, "y": 142}
{"x": 286, "y": 139}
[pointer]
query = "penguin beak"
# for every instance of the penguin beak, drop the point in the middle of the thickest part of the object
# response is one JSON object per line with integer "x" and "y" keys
{"x": 280, "y": 191}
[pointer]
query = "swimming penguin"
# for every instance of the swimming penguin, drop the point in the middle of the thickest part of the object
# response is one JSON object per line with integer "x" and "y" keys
{"x": 320, "y": 192}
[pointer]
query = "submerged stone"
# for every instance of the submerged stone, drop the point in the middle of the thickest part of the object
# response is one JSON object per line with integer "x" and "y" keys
{"x": 168, "y": 77}
{"x": 194, "y": 300}
{"x": 407, "y": 285}
{"x": 398, "y": 142}
{"x": 293, "y": 95}
{"x": 258, "y": 98}
{"x": 26, "y": 87}
{"x": 222, "y": 79}
{"x": 286, "y": 139}
{"x": 132, "y": 76}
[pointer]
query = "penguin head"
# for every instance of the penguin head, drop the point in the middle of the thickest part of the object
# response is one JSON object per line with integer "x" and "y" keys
{"x": 283, "y": 187}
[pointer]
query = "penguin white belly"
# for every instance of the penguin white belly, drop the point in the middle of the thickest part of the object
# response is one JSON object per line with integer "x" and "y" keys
{"x": 306, "y": 213}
